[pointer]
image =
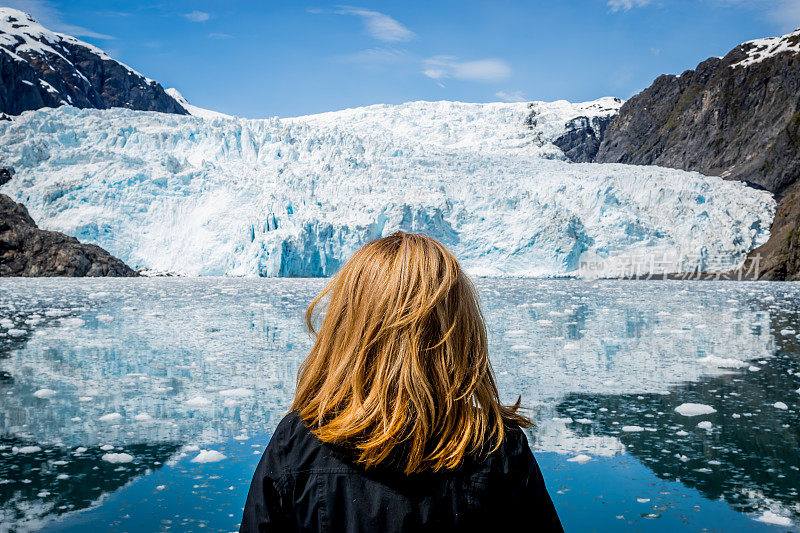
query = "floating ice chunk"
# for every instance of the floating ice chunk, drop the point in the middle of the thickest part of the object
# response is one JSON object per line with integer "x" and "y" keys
{"x": 80, "y": 449}
{"x": 85, "y": 399}
{"x": 682, "y": 433}
{"x": 110, "y": 417}
{"x": 106, "y": 447}
{"x": 632, "y": 429}
{"x": 104, "y": 318}
{"x": 115, "y": 458}
{"x": 209, "y": 456}
{"x": 705, "y": 425}
{"x": 771, "y": 518}
{"x": 722, "y": 362}
{"x": 580, "y": 459}
{"x": 71, "y": 322}
{"x": 161, "y": 487}
{"x": 75, "y": 419}
{"x": 143, "y": 417}
{"x": 642, "y": 500}
{"x": 563, "y": 420}
{"x": 584, "y": 421}
{"x": 788, "y": 331}
{"x": 62, "y": 476}
{"x": 59, "y": 463}
{"x": 45, "y": 394}
{"x": 26, "y": 449}
{"x": 694, "y": 409}
{"x": 16, "y": 332}
{"x": 241, "y": 437}
{"x": 190, "y": 448}
{"x": 780, "y": 405}
{"x": 753, "y": 369}
{"x": 236, "y": 393}
{"x": 736, "y": 415}
{"x": 198, "y": 401}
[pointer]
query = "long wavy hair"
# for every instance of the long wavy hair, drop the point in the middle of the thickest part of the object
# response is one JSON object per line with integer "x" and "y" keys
{"x": 400, "y": 365}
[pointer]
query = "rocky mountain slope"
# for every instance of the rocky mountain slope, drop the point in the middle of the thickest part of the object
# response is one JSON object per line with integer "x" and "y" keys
{"x": 738, "y": 117}
{"x": 41, "y": 68}
{"x": 26, "y": 250}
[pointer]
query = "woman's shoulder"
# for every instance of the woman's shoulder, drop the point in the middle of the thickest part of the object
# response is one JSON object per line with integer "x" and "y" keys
{"x": 293, "y": 447}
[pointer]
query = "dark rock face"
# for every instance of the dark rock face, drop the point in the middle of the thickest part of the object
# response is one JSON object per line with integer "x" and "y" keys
{"x": 26, "y": 250}
{"x": 40, "y": 68}
{"x": 737, "y": 117}
{"x": 582, "y": 139}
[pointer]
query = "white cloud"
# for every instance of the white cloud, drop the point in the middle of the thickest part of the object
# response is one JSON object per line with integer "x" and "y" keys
{"x": 442, "y": 67}
{"x": 217, "y": 35}
{"x": 375, "y": 56}
{"x": 515, "y": 96}
{"x": 378, "y": 25}
{"x": 625, "y": 5}
{"x": 197, "y": 16}
{"x": 783, "y": 14}
{"x": 50, "y": 17}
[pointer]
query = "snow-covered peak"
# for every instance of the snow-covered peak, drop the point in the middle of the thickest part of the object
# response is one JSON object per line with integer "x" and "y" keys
{"x": 21, "y": 34}
{"x": 760, "y": 49}
{"x": 193, "y": 109}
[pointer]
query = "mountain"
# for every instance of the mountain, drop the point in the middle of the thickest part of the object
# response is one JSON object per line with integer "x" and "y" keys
{"x": 41, "y": 68}
{"x": 193, "y": 109}
{"x": 296, "y": 196}
{"x": 737, "y": 117}
{"x": 26, "y": 250}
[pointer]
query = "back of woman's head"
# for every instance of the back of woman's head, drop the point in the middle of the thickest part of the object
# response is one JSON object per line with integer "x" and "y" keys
{"x": 400, "y": 360}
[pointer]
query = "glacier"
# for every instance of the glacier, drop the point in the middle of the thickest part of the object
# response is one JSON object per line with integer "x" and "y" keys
{"x": 216, "y": 195}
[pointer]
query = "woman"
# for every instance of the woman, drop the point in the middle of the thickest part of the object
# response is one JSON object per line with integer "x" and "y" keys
{"x": 396, "y": 423}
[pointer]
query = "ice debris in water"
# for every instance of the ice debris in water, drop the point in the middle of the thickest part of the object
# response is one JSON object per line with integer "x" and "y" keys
{"x": 198, "y": 401}
{"x": 580, "y": 459}
{"x": 26, "y": 449}
{"x": 780, "y": 405}
{"x": 694, "y": 409}
{"x": 143, "y": 417}
{"x": 111, "y": 417}
{"x": 236, "y": 393}
{"x": 45, "y": 394}
{"x": 768, "y": 517}
{"x": 115, "y": 458}
{"x": 209, "y": 456}
{"x": 705, "y": 425}
{"x": 632, "y": 429}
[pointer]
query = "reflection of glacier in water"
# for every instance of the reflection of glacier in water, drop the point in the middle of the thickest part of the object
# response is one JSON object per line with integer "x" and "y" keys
{"x": 126, "y": 363}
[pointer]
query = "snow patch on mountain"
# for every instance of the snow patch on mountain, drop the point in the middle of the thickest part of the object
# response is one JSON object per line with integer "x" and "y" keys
{"x": 22, "y": 34}
{"x": 193, "y": 109}
{"x": 296, "y": 197}
{"x": 761, "y": 49}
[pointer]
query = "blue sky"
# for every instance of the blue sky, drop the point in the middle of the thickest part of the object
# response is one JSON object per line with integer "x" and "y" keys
{"x": 265, "y": 58}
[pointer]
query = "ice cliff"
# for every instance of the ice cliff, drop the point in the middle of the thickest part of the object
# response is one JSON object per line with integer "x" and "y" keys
{"x": 295, "y": 197}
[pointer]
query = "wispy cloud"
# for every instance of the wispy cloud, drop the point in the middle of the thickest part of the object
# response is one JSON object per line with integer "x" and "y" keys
{"x": 625, "y": 5}
{"x": 515, "y": 96}
{"x": 197, "y": 16}
{"x": 50, "y": 17}
{"x": 378, "y": 25}
{"x": 374, "y": 56}
{"x": 783, "y": 14}
{"x": 443, "y": 67}
{"x": 218, "y": 35}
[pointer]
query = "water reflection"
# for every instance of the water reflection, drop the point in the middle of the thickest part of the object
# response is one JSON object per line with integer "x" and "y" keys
{"x": 170, "y": 362}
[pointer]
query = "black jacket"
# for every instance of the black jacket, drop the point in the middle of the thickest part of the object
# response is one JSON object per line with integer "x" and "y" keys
{"x": 301, "y": 484}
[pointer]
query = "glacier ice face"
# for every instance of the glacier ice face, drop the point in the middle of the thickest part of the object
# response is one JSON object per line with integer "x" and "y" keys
{"x": 295, "y": 197}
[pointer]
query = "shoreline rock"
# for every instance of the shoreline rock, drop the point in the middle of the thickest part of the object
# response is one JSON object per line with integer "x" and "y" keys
{"x": 28, "y": 251}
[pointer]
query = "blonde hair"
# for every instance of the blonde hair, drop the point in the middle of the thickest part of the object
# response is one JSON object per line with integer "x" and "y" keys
{"x": 400, "y": 364}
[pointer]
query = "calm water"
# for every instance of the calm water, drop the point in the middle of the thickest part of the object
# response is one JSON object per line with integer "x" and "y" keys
{"x": 112, "y": 392}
